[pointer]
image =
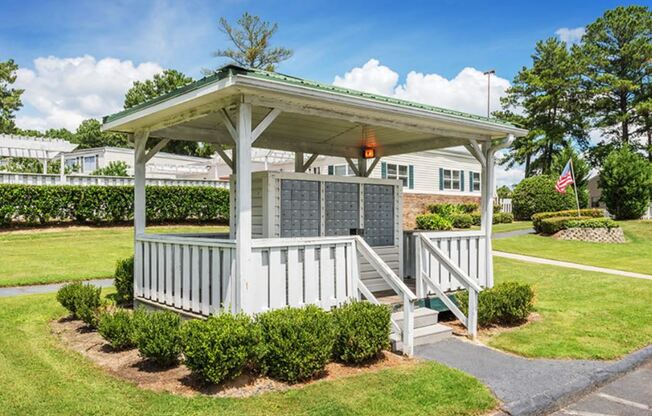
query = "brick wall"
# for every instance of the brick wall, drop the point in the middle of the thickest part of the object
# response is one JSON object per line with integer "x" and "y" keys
{"x": 415, "y": 204}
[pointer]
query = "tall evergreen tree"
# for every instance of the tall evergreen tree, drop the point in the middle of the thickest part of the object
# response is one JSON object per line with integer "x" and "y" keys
{"x": 88, "y": 135}
{"x": 9, "y": 97}
{"x": 545, "y": 99}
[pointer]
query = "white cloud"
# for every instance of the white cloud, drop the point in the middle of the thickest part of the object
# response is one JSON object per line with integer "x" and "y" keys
{"x": 570, "y": 35}
{"x": 467, "y": 91}
{"x": 65, "y": 91}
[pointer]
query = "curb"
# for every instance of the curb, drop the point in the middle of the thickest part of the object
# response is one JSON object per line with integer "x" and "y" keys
{"x": 553, "y": 400}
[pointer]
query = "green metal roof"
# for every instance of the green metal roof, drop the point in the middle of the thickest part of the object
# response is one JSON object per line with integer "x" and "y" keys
{"x": 228, "y": 70}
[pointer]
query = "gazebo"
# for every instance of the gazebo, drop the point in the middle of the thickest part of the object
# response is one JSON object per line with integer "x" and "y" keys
{"x": 297, "y": 238}
{"x": 40, "y": 148}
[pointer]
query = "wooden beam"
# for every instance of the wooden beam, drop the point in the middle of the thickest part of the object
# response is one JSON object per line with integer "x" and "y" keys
{"x": 298, "y": 162}
{"x": 193, "y": 134}
{"x": 154, "y": 150}
{"x": 310, "y": 161}
{"x": 265, "y": 122}
{"x": 224, "y": 115}
{"x": 474, "y": 148}
{"x": 353, "y": 167}
{"x": 419, "y": 146}
{"x": 372, "y": 167}
{"x": 220, "y": 151}
{"x": 362, "y": 167}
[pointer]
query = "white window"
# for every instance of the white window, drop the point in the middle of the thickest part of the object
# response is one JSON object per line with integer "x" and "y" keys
{"x": 343, "y": 170}
{"x": 452, "y": 180}
{"x": 400, "y": 172}
{"x": 90, "y": 164}
{"x": 475, "y": 181}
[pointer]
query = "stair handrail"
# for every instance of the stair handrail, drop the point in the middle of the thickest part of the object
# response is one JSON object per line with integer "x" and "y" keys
{"x": 409, "y": 298}
{"x": 470, "y": 321}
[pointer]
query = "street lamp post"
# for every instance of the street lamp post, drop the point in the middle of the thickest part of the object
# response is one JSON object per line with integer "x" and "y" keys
{"x": 488, "y": 74}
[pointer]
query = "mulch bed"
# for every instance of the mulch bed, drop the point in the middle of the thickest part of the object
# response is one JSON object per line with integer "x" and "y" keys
{"x": 484, "y": 333}
{"x": 129, "y": 366}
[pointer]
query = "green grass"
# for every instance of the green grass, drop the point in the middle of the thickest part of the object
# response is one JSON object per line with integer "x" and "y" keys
{"x": 47, "y": 256}
{"x": 582, "y": 314}
{"x": 39, "y": 377}
{"x": 513, "y": 226}
{"x": 633, "y": 256}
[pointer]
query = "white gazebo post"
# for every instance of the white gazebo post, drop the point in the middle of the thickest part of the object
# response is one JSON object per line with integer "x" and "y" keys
{"x": 298, "y": 162}
{"x": 45, "y": 165}
{"x": 487, "y": 213}
{"x": 140, "y": 142}
{"x": 62, "y": 170}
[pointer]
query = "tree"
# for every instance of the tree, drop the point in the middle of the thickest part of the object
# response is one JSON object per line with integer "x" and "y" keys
{"x": 548, "y": 95}
{"x": 617, "y": 52}
{"x": 252, "y": 43}
{"x": 115, "y": 168}
{"x": 504, "y": 192}
{"x": 626, "y": 183}
{"x": 88, "y": 135}
{"x": 9, "y": 97}
{"x": 164, "y": 83}
{"x": 581, "y": 170}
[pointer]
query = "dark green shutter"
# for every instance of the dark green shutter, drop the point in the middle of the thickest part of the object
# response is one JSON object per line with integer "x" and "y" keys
{"x": 411, "y": 176}
{"x": 383, "y": 170}
{"x": 441, "y": 179}
{"x": 330, "y": 169}
{"x": 470, "y": 181}
{"x": 462, "y": 180}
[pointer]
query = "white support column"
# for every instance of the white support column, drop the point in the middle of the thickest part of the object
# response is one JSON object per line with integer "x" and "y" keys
{"x": 298, "y": 162}
{"x": 362, "y": 166}
{"x": 243, "y": 206}
{"x": 45, "y": 166}
{"x": 140, "y": 142}
{"x": 487, "y": 213}
{"x": 62, "y": 169}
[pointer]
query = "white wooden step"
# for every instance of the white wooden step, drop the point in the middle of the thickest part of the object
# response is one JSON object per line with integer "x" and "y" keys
{"x": 426, "y": 335}
{"x": 422, "y": 317}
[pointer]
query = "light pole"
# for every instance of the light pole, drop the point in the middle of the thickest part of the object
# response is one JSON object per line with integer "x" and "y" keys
{"x": 488, "y": 74}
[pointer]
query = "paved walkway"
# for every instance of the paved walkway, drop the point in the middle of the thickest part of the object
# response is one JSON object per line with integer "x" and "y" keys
{"x": 529, "y": 386}
{"x": 515, "y": 233}
{"x": 540, "y": 260}
{"x": 35, "y": 289}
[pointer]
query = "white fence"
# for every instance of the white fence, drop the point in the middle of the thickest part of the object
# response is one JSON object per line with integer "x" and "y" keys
{"x": 85, "y": 180}
{"x": 506, "y": 205}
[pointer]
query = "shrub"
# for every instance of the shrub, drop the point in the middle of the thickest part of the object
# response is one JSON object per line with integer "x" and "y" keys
{"x": 446, "y": 209}
{"x": 556, "y": 224}
{"x": 503, "y": 218}
{"x": 158, "y": 336}
{"x": 297, "y": 342}
{"x": 476, "y": 218}
{"x": 82, "y": 301}
{"x": 461, "y": 220}
{"x": 433, "y": 222}
{"x": 363, "y": 331}
{"x": 117, "y": 327}
{"x": 124, "y": 280}
{"x": 506, "y": 303}
{"x": 587, "y": 212}
{"x": 36, "y": 204}
{"x": 220, "y": 347}
{"x": 537, "y": 194}
{"x": 626, "y": 183}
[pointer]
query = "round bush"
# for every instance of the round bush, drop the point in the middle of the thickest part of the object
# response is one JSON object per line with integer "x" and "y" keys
{"x": 506, "y": 303}
{"x": 503, "y": 218}
{"x": 297, "y": 342}
{"x": 461, "y": 220}
{"x": 117, "y": 328}
{"x": 433, "y": 222}
{"x": 158, "y": 336}
{"x": 124, "y": 280}
{"x": 537, "y": 194}
{"x": 220, "y": 347}
{"x": 363, "y": 331}
{"x": 82, "y": 301}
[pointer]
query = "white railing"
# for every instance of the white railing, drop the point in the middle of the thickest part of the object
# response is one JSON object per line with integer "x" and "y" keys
{"x": 506, "y": 205}
{"x": 86, "y": 180}
{"x": 439, "y": 272}
{"x": 409, "y": 298}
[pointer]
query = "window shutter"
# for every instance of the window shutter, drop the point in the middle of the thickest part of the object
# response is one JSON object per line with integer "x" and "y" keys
{"x": 330, "y": 169}
{"x": 411, "y": 176}
{"x": 441, "y": 179}
{"x": 462, "y": 180}
{"x": 383, "y": 170}
{"x": 470, "y": 181}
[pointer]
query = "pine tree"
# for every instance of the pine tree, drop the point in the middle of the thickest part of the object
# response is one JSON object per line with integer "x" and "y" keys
{"x": 9, "y": 97}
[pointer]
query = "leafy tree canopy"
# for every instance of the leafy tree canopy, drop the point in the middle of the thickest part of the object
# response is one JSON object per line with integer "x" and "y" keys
{"x": 9, "y": 97}
{"x": 163, "y": 83}
{"x": 89, "y": 135}
{"x": 581, "y": 170}
{"x": 115, "y": 168}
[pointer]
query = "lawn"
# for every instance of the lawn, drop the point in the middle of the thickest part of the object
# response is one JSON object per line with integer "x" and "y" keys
{"x": 633, "y": 256}
{"x": 39, "y": 377}
{"x": 55, "y": 255}
{"x": 582, "y": 314}
{"x": 512, "y": 226}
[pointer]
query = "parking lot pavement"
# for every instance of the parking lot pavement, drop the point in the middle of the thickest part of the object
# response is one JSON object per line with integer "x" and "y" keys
{"x": 630, "y": 395}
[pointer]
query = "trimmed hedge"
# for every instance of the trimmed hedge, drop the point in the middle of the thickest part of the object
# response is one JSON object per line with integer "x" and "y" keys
{"x": 503, "y": 218}
{"x": 537, "y": 194}
{"x": 220, "y": 347}
{"x": 158, "y": 336}
{"x": 43, "y": 204}
{"x": 506, "y": 303}
{"x": 363, "y": 330}
{"x": 433, "y": 222}
{"x": 124, "y": 280}
{"x": 587, "y": 212}
{"x": 82, "y": 301}
{"x": 297, "y": 342}
{"x": 556, "y": 224}
{"x": 461, "y": 220}
{"x": 117, "y": 327}
{"x": 446, "y": 209}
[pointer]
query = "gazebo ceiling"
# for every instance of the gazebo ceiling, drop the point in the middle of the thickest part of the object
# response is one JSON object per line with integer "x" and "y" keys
{"x": 314, "y": 118}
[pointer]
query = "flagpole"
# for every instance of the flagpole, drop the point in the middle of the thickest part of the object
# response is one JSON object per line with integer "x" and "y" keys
{"x": 577, "y": 199}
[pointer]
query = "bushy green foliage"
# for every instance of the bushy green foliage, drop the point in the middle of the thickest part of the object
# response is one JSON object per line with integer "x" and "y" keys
{"x": 297, "y": 342}
{"x": 433, "y": 222}
{"x": 117, "y": 327}
{"x": 626, "y": 183}
{"x": 123, "y": 280}
{"x": 115, "y": 168}
{"x": 363, "y": 330}
{"x": 506, "y": 303}
{"x": 556, "y": 224}
{"x": 476, "y": 218}
{"x": 461, "y": 220}
{"x": 158, "y": 336}
{"x": 35, "y": 205}
{"x": 445, "y": 209}
{"x": 81, "y": 300}
{"x": 538, "y": 194}
{"x": 220, "y": 347}
{"x": 503, "y": 218}
{"x": 587, "y": 212}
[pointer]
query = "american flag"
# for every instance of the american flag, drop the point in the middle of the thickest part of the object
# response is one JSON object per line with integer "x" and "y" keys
{"x": 565, "y": 179}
